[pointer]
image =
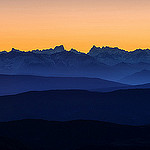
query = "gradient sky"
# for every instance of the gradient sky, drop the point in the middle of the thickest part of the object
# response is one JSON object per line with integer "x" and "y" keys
{"x": 79, "y": 24}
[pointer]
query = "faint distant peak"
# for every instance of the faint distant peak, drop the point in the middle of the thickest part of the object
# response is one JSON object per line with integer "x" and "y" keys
{"x": 3, "y": 52}
{"x": 59, "y": 48}
{"x": 15, "y": 50}
{"x": 75, "y": 51}
{"x": 94, "y": 51}
{"x": 95, "y": 47}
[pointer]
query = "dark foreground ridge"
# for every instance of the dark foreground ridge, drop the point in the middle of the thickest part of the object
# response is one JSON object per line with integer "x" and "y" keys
{"x": 123, "y": 106}
{"x": 72, "y": 135}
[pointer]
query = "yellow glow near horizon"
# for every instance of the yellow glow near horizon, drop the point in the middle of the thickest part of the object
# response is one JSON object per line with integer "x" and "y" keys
{"x": 80, "y": 24}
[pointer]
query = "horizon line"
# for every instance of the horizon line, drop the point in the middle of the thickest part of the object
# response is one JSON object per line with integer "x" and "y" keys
{"x": 61, "y": 45}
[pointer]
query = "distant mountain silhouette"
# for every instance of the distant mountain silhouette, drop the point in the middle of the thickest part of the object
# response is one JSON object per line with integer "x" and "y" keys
{"x": 57, "y": 49}
{"x": 124, "y": 106}
{"x": 75, "y": 135}
{"x": 13, "y": 84}
{"x": 58, "y": 64}
{"x": 75, "y": 51}
{"x": 141, "y": 77}
{"x": 112, "y": 56}
{"x": 59, "y": 85}
{"x": 106, "y": 62}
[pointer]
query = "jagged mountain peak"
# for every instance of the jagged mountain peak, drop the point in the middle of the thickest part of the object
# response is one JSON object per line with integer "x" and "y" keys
{"x": 106, "y": 55}
{"x": 59, "y": 48}
{"x": 3, "y": 52}
{"x": 94, "y": 51}
{"x": 15, "y": 50}
{"x": 105, "y": 49}
{"x": 75, "y": 51}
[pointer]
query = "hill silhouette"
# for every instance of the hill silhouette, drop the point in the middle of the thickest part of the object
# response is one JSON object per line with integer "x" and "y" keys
{"x": 76, "y": 135}
{"x": 13, "y": 84}
{"x": 141, "y": 77}
{"x": 123, "y": 106}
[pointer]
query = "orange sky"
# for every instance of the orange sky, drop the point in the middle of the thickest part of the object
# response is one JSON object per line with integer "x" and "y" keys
{"x": 32, "y": 24}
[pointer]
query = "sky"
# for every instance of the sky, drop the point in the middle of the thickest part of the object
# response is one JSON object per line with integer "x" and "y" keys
{"x": 79, "y": 24}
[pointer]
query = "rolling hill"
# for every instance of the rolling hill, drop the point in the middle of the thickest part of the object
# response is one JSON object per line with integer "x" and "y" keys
{"x": 73, "y": 135}
{"x": 123, "y": 106}
{"x": 141, "y": 77}
{"x": 13, "y": 84}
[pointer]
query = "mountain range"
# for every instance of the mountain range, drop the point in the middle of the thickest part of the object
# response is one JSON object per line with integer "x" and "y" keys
{"x": 106, "y": 84}
{"x": 112, "y": 56}
{"x": 105, "y": 63}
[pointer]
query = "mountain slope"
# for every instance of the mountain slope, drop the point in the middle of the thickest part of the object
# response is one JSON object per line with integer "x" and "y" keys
{"x": 140, "y": 86}
{"x": 12, "y": 84}
{"x": 124, "y": 106}
{"x": 141, "y": 77}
